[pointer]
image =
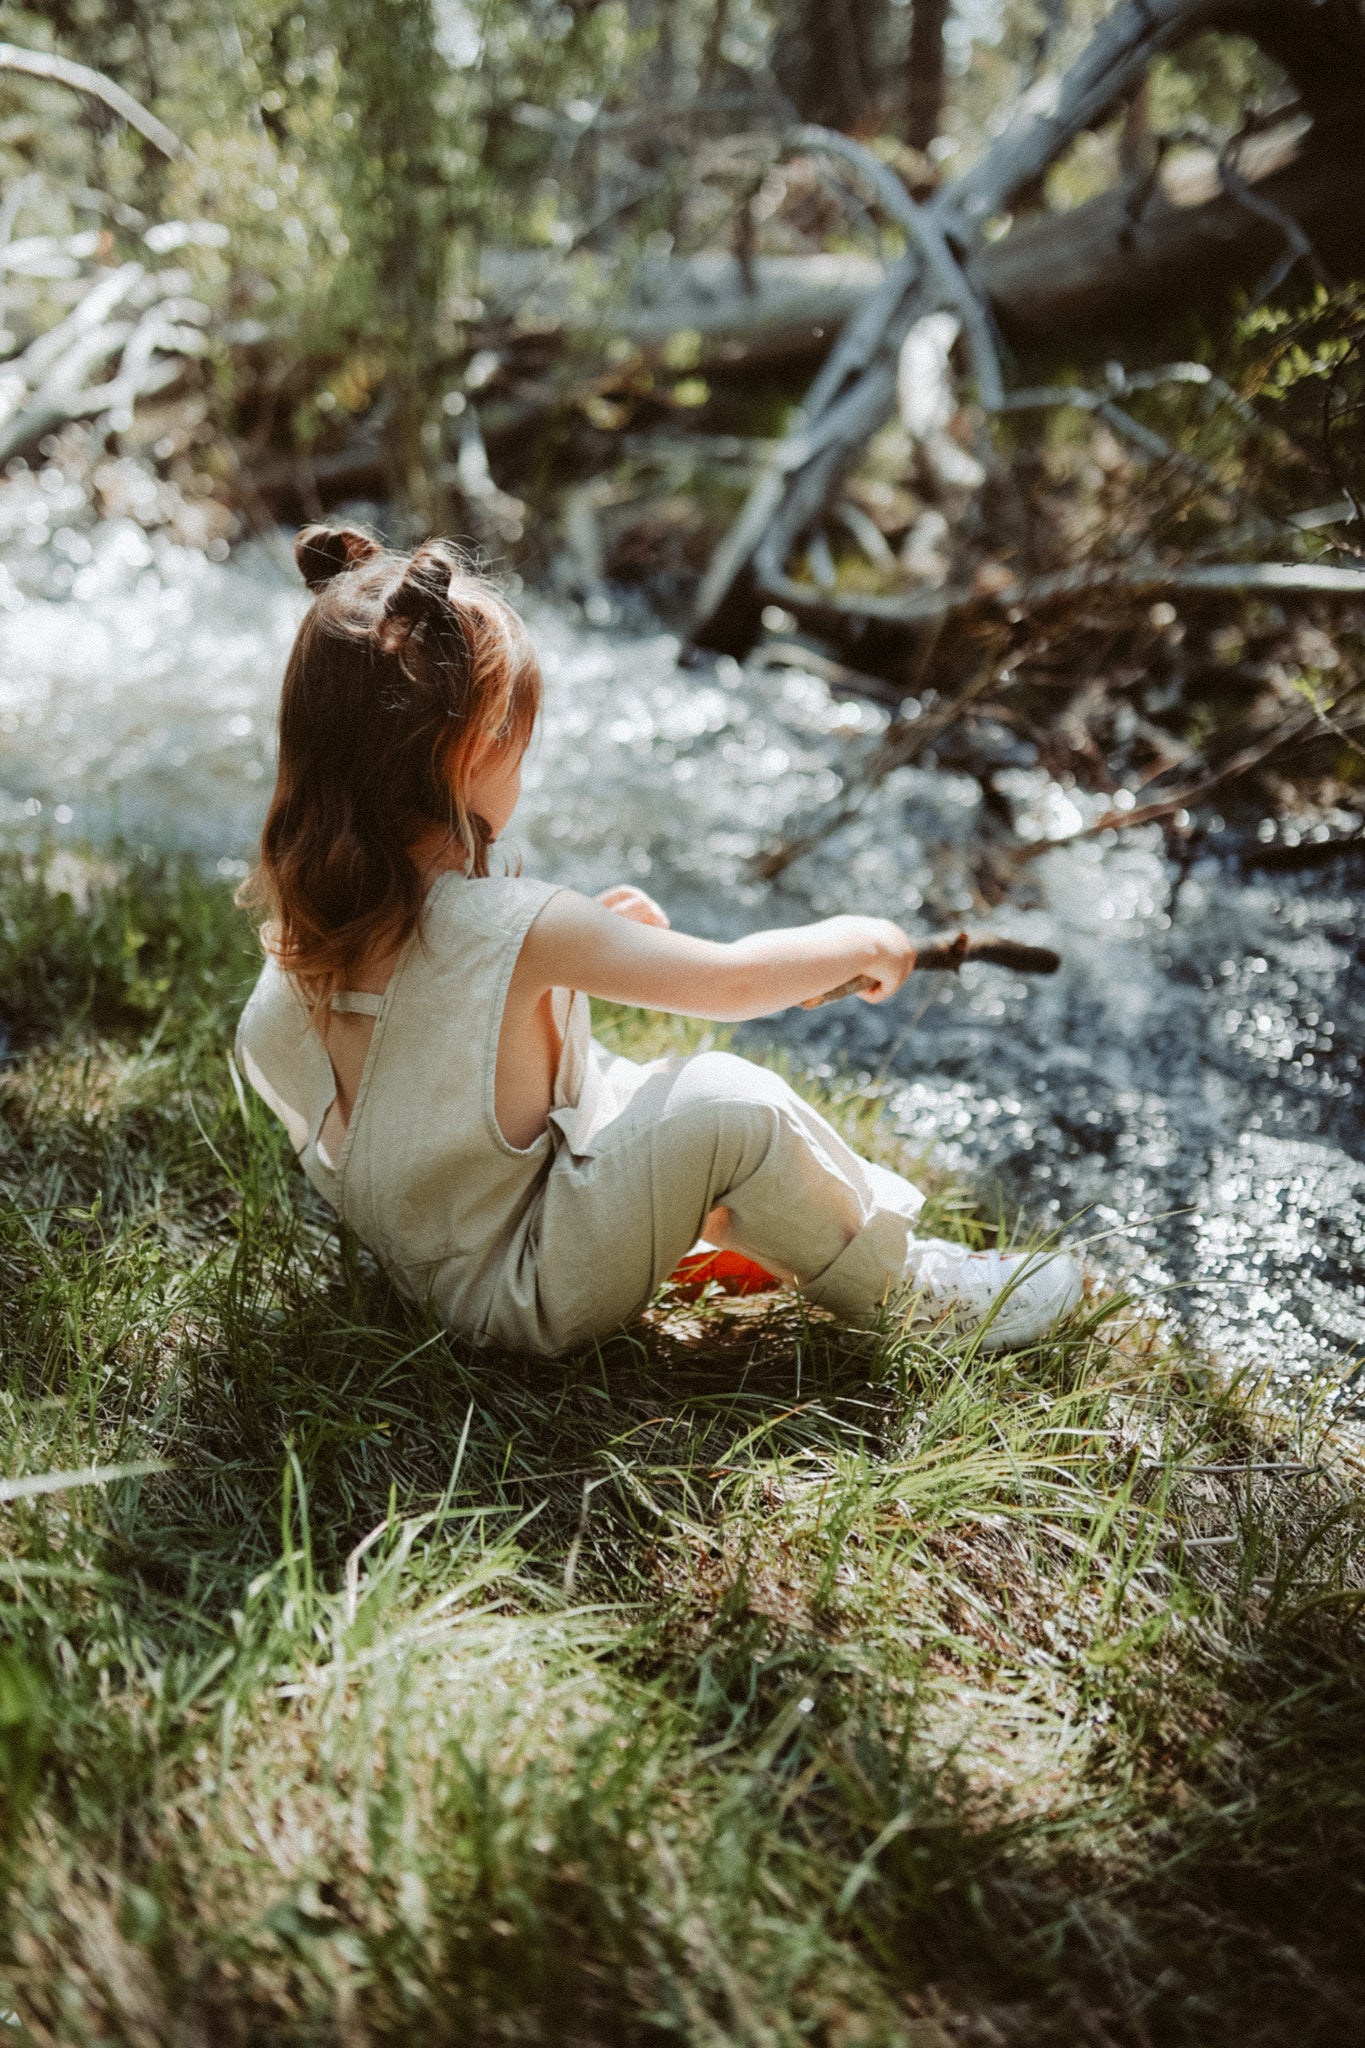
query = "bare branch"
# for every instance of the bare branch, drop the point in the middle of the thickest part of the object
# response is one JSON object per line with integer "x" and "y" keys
{"x": 786, "y": 501}
{"x": 919, "y": 608}
{"x": 838, "y": 674}
{"x": 1111, "y": 64}
{"x": 1298, "y": 246}
{"x": 927, "y": 236}
{"x": 903, "y": 742}
{"x": 1169, "y": 807}
{"x": 83, "y": 78}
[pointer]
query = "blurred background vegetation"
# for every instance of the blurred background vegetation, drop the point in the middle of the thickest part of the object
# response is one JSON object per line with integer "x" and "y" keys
{"x": 517, "y": 272}
{"x": 364, "y": 155}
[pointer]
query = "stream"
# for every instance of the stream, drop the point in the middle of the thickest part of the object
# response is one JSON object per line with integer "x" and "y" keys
{"x": 1185, "y": 1094}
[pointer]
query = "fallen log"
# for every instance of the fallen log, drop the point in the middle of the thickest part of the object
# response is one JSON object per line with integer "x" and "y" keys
{"x": 835, "y": 608}
{"x": 1127, "y": 261}
{"x": 1131, "y": 259}
{"x": 765, "y": 309}
{"x": 855, "y": 391}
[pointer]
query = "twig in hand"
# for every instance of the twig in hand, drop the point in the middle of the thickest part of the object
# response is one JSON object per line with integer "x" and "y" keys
{"x": 949, "y": 954}
{"x": 946, "y": 956}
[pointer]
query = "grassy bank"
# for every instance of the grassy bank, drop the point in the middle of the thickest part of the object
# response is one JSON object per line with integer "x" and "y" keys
{"x": 747, "y": 1680}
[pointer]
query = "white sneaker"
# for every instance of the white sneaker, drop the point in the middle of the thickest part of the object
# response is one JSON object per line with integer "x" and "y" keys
{"x": 1018, "y": 1296}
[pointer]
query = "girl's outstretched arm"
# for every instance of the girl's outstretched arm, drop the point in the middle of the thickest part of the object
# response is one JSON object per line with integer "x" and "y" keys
{"x": 577, "y": 943}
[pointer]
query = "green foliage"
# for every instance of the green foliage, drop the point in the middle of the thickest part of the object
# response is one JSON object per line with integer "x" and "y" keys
{"x": 24, "y": 1712}
{"x": 1307, "y": 365}
{"x": 1213, "y": 80}
{"x": 125, "y": 941}
{"x": 744, "y": 1680}
{"x": 360, "y": 155}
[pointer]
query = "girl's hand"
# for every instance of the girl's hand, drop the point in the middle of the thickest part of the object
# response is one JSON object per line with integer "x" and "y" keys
{"x": 890, "y": 956}
{"x": 628, "y": 901}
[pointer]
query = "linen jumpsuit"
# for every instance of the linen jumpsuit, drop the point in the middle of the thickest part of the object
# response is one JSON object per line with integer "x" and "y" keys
{"x": 548, "y": 1247}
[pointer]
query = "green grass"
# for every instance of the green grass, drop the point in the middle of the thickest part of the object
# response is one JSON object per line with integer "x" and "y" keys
{"x": 745, "y": 1680}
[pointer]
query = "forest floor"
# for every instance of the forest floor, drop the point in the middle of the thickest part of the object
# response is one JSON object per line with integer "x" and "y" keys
{"x": 744, "y": 1680}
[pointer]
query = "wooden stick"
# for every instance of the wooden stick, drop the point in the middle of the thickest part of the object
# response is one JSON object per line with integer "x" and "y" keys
{"x": 945, "y": 956}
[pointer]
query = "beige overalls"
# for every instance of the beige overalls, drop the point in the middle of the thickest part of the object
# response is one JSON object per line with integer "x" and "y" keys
{"x": 547, "y": 1247}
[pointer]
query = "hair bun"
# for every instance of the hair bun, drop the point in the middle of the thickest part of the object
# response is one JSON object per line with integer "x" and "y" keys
{"x": 421, "y": 596}
{"x": 323, "y": 552}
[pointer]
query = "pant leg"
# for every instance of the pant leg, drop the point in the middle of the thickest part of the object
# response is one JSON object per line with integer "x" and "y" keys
{"x": 710, "y": 1129}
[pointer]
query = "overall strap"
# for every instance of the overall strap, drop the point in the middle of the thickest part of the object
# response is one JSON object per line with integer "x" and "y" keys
{"x": 355, "y": 1002}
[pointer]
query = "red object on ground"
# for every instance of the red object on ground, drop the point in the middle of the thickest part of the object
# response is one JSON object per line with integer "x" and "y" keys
{"x": 728, "y": 1270}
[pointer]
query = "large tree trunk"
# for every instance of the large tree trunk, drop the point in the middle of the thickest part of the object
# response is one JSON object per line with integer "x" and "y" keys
{"x": 827, "y": 59}
{"x": 926, "y": 83}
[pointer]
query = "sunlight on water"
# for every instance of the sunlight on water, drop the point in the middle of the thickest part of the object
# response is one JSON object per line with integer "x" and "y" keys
{"x": 1185, "y": 1092}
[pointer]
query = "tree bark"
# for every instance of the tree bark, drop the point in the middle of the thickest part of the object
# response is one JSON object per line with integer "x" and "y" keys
{"x": 1115, "y": 266}
{"x": 827, "y": 57}
{"x": 926, "y": 84}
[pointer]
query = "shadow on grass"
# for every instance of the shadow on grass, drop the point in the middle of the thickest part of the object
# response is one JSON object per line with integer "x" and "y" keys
{"x": 745, "y": 1679}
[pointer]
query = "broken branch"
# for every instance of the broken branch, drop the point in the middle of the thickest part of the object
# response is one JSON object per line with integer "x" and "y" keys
{"x": 84, "y": 78}
{"x": 919, "y": 608}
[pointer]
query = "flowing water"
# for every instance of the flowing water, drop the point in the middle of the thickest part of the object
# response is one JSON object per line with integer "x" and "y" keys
{"x": 1186, "y": 1092}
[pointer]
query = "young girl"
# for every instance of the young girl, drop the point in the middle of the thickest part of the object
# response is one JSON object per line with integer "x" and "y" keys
{"x": 421, "y": 1026}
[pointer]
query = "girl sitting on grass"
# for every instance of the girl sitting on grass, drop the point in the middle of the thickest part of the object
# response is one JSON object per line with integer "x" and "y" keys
{"x": 421, "y": 1026}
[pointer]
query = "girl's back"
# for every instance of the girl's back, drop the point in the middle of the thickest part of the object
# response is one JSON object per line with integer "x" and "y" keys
{"x": 424, "y": 1173}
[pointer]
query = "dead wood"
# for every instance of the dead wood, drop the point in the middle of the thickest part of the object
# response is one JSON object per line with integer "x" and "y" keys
{"x": 1126, "y": 580}
{"x": 794, "y": 654}
{"x": 57, "y": 378}
{"x": 1125, "y": 262}
{"x": 1238, "y": 764}
{"x": 84, "y": 78}
{"x": 854, "y": 393}
{"x": 907, "y": 739}
{"x": 903, "y": 743}
{"x": 1136, "y": 256}
{"x": 768, "y": 309}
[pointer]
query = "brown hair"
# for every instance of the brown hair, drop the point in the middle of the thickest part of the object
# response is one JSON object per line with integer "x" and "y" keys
{"x": 404, "y": 670}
